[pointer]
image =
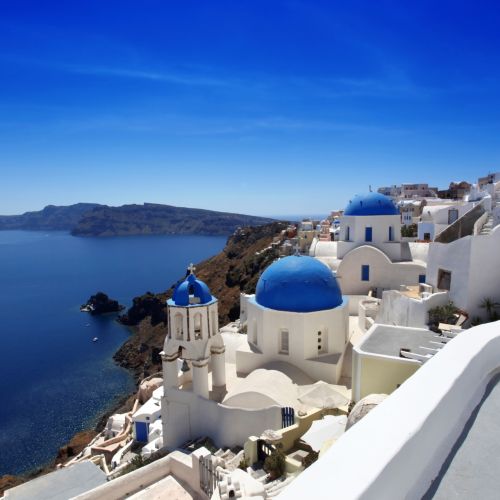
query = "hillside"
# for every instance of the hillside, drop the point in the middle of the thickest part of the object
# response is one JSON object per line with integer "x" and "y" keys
{"x": 91, "y": 219}
{"x": 50, "y": 218}
{"x": 160, "y": 219}
{"x": 234, "y": 270}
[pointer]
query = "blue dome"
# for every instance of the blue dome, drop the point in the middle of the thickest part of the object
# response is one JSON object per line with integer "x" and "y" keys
{"x": 194, "y": 287}
{"x": 298, "y": 284}
{"x": 371, "y": 204}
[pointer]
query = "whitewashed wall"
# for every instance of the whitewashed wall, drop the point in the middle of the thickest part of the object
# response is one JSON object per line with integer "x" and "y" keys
{"x": 398, "y": 309}
{"x": 383, "y": 273}
{"x": 399, "y": 447}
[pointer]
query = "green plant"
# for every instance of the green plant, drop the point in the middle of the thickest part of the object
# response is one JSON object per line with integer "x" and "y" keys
{"x": 275, "y": 464}
{"x": 443, "y": 314}
{"x": 490, "y": 306}
{"x": 243, "y": 465}
{"x": 409, "y": 231}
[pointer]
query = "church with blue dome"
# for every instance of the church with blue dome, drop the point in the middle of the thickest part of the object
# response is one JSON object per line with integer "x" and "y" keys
{"x": 370, "y": 254}
{"x": 371, "y": 204}
{"x": 297, "y": 316}
{"x": 298, "y": 284}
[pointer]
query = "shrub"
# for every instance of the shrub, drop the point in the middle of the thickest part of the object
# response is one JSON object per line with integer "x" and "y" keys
{"x": 275, "y": 464}
{"x": 443, "y": 314}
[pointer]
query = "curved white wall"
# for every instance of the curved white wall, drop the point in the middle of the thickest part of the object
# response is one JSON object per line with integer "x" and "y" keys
{"x": 383, "y": 273}
{"x": 398, "y": 448}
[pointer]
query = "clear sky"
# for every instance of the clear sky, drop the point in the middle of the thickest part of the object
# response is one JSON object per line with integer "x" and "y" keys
{"x": 264, "y": 107}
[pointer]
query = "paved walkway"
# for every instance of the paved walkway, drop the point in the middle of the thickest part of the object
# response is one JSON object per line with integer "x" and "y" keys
{"x": 472, "y": 468}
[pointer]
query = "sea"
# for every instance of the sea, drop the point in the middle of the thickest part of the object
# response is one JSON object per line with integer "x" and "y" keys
{"x": 54, "y": 380}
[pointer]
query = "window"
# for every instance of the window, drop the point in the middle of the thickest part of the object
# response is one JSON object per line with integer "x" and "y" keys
{"x": 452, "y": 215}
{"x": 365, "y": 273}
{"x": 283, "y": 341}
{"x": 391, "y": 236}
{"x": 178, "y": 326}
{"x": 213, "y": 323}
{"x": 368, "y": 234}
{"x": 253, "y": 336}
{"x": 421, "y": 278}
{"x": 444, "y": 279}
{"x": 322, "y": 341}
{"x": 347, "y": 233}
{"x": 197, "y": 326}
{"x": 427, "y": 236}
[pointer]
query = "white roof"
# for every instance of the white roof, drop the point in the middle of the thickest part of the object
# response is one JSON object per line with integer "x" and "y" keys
{"x": 264, "y": 388}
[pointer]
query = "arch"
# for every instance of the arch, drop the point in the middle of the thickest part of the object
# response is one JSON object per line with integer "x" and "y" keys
{"x": 197, "y": 324}
{"x": 213, "y": 322}
{"x": 178, "y": 326}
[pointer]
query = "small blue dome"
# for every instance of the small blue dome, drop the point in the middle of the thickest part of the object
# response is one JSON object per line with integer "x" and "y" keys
{"x": 298, "y": 284}
{"x": 371, "y": 204}
{"x": 191, "y": 286}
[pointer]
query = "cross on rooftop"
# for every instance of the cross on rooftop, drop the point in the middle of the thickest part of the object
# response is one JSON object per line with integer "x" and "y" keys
{"x": 191, "y": 268}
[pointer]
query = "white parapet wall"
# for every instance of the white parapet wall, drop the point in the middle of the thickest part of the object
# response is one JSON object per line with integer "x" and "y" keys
{"x": 184, "y": 468}
{"x": 399, "y": 309}
{"x": 398, "y": 448}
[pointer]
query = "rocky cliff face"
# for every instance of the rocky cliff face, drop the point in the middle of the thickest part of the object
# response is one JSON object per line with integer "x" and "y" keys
{"x": 234, "y": 270}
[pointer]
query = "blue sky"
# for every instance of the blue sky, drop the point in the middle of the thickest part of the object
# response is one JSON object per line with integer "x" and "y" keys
{"x": 264, "y": 107}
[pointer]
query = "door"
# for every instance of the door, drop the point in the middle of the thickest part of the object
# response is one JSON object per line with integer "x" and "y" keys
{"x": 141, "y": 432}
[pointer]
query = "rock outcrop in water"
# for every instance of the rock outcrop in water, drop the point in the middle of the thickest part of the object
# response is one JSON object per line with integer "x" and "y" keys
{"x": 100, "y": 303}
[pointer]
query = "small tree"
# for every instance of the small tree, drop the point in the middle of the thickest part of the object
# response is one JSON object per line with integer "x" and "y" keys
{"x": 490, "y": 306}
{"x": 275, "y": 464}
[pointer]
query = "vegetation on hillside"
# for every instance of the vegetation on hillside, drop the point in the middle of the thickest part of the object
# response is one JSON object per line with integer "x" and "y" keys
{"x": 234, "y": 270}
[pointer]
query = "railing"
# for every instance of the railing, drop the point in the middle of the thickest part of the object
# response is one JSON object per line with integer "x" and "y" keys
{"x": 464, "y": 226}
{"x": 209, "y": 476}
{"x": 480, "y": 223}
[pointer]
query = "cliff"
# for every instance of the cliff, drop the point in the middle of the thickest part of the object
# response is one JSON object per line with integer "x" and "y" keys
{"x": 160, "y": 219}
{"x": 51, "y": 218}
{"x": 91, "y": 219}
{"x": 234, "y": 270}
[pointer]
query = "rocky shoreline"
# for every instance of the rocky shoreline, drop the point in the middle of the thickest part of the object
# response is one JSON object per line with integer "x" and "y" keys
{"x": 234, "y": 270}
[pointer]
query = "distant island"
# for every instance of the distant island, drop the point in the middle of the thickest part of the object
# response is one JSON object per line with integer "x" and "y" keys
{"x": 91, "y": 219}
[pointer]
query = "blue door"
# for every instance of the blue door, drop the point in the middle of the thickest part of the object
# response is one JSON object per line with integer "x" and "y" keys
{"x": 421, "y": 278}
{"x": 141, "y": 432}
{"x": 365, "y": 273}
{"x": 368, "y": 234}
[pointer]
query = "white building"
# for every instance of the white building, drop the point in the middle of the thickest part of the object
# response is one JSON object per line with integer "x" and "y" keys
{"x": 297, "y": 316}
{"x": 193, "y": 337}
{"x": 370, "y": 254}
{"x": 437, "y": 436}
{"x": 469, "y": 268}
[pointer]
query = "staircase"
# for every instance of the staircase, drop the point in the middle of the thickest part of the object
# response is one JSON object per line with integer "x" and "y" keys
{"x": 489, "y": 224}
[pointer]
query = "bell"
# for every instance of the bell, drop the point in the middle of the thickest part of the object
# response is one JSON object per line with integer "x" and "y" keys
{"x": 184, "y": 367}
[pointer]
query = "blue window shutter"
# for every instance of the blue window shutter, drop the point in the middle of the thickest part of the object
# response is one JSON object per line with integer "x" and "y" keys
{"x": 365, "y": 273}
{"x": 368, "y": 234}
{"x": 421, "y": 278}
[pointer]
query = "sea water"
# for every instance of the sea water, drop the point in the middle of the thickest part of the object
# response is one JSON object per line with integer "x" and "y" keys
{"x": 54, "y": 380}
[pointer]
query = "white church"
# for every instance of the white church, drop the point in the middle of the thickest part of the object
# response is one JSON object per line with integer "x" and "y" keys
{"x": 297, "y": 325}
{"x": 370, "y": 253}
{"x": 298, "y": 330}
